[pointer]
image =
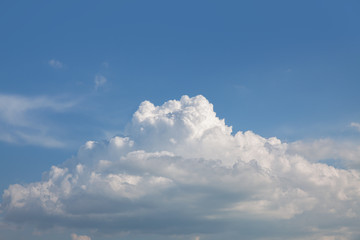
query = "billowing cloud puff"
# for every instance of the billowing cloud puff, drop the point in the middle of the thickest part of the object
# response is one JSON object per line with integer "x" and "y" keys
{"x": 179, "y": 170}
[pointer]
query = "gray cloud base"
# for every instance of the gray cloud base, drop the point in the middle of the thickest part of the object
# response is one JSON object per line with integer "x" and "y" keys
{"x": 180, "y": 171}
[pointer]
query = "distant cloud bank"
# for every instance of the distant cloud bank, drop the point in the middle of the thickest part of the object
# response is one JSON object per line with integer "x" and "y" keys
{"x": 180, "y": 171}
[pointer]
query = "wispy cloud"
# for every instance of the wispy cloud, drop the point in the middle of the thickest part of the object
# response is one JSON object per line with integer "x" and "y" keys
{"x": 105, "y": 64}
{"x": 99, "y": 81}
{"x": 56, "y": 63}
{"x": 20, "y": 122}
{"x": 339, "y": 152}
{"x": 355, "y": 125}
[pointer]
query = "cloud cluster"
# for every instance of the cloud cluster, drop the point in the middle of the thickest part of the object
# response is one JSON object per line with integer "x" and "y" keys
{"x": 18, "y": 121}
{"x": 180, "y": 170}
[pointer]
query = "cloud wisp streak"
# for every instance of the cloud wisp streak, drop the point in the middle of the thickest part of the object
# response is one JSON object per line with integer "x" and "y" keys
{"x": 99, "y": 81}
{"x": 19, "y": 122}
{"x": 74, "y": 236}
{"x": 56, "y": 64}
{"x": 345, "y": 154}
{"x": 355, "y": 125}
{"x": 180, "y": 171}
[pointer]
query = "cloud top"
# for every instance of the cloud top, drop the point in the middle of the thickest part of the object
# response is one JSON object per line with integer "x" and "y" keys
{"x": 180, "y": 170}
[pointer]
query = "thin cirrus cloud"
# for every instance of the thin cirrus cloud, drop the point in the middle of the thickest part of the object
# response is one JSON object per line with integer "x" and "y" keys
{"x": 99, "y": 81}
{"x": 19, "y": 121}
{"x": 55, "y": 64}
{"x": 355, "y": 125}
{"x": 180, "y": 172}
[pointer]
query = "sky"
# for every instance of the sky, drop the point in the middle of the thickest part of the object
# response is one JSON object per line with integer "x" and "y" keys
{"x": 179, "y": 120}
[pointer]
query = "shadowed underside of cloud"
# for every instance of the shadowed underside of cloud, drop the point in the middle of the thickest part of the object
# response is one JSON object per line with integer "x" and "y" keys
{"x": 180, "y": 170}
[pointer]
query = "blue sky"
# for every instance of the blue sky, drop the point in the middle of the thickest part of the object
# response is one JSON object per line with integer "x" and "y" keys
{"x": 74, "y": 71}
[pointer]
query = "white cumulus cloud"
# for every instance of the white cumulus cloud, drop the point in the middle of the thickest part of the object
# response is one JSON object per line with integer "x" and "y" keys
{"x": 180, "y": 170}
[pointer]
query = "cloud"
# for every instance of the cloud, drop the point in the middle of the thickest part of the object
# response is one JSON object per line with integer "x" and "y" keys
{"x": 18, "y": 121}
{"x": 105, "y": 64}
{"x": 180, "y": 171}
{"x": 99, "y": 81}
{"x": 343, "y": 154}
{"x": 56, "y": 64}
{"x": 355, "y": 125}
{"x": 79, "y": 237}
